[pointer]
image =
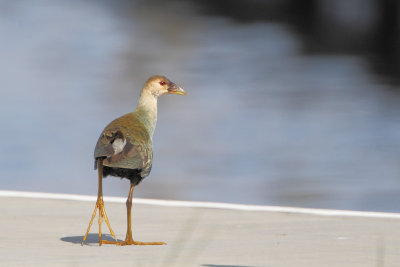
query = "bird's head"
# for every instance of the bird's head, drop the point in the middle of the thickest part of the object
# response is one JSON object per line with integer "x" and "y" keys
{"x": 159, "y": 85}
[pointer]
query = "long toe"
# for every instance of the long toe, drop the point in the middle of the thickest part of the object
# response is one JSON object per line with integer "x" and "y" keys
{"x": 102, "y": 214}
{"x": 128, "y": 243}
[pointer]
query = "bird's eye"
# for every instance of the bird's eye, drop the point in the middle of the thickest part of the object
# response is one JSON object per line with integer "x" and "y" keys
{"x": 162, "y": 83}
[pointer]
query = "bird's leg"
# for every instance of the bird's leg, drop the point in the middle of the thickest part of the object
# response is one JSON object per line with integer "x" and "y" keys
{"x": 99, "y": 206}
{"x": 128, "y": 239}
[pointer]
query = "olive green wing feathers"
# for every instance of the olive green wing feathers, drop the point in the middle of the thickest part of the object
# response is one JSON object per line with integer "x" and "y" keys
{"x": 125, "y": 143}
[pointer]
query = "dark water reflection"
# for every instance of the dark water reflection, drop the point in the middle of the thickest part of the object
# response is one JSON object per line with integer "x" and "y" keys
{"x": 264, "y": 123}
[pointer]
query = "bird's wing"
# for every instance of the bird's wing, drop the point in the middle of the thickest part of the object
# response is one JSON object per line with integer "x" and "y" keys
{"x": 125, "y": 143}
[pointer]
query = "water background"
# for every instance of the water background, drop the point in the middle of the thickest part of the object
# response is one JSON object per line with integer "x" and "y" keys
{"x": 277, "y": 112}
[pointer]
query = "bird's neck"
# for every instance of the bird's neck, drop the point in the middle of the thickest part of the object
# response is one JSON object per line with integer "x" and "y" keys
{"x": 147, "y": 110}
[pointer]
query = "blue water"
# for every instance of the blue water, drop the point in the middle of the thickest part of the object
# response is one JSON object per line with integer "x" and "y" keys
{"x": 263, "y": 122}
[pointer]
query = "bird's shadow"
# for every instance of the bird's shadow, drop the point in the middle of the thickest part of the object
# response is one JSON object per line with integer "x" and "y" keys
{"x": 90, "y": 240}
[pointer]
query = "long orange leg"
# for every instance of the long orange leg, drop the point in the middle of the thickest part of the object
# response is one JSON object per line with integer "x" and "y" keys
{"x": 100, "y": 207}
{"x": 128, "y": 239}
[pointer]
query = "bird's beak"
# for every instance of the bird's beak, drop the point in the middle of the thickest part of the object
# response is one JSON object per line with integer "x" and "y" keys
{"x": 175, "y": 89}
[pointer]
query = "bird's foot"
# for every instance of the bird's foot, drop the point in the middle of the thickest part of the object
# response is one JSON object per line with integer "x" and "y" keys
{"x": 102, "y": 214}
{"x": 132, "y": 242}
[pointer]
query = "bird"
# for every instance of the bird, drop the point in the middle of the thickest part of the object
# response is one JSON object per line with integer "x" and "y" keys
{"x": 124, "y": 149}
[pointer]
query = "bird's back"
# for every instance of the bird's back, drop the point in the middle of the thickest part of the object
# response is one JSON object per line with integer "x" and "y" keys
{"x": 126, "y": 147}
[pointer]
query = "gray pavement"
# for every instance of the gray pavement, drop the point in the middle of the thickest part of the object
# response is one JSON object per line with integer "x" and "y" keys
{"x": 48, "y": 232}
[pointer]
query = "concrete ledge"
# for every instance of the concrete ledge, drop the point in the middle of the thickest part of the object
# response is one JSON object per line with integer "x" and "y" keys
{"x": 46, "y": 230}
{"x": 197, "y": 204}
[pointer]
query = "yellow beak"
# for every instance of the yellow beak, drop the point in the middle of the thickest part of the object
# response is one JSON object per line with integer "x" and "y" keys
{"x": 175, "y": 89}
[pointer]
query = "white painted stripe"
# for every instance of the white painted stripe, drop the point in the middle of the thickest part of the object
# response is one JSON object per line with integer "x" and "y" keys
{"x": 214, "y": 205}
